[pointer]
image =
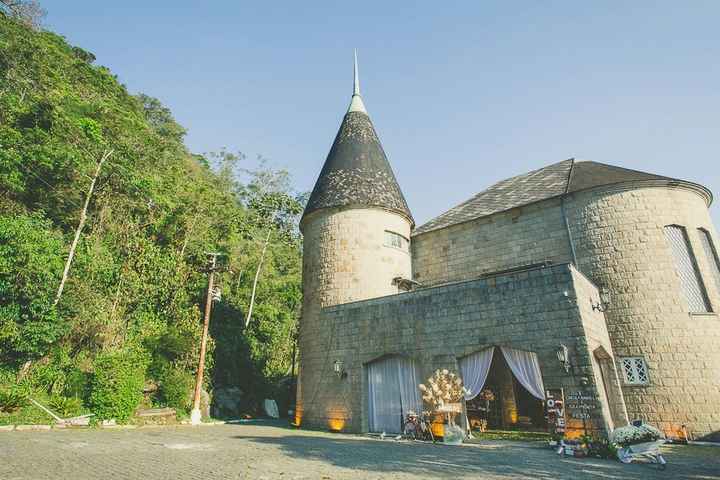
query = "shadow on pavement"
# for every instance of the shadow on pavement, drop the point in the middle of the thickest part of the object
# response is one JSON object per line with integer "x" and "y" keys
{"x": 487, "y": 459}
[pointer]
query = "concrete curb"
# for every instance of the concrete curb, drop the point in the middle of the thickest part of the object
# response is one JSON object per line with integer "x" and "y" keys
{"x": 44, "y": 428}
{"x": 25, "y": 428}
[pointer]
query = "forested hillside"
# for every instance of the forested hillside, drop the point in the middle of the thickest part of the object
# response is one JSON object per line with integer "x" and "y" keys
{"x": 129, "y": 314}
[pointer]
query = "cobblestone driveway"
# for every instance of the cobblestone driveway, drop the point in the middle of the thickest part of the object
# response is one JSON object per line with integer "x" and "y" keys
{"x": 264, "y": 451}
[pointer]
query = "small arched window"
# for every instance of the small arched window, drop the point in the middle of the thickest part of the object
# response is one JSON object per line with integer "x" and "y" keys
{"x": 396, "y": 240}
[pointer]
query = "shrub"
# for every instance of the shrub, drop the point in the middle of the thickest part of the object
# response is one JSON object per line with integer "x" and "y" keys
{"x": 116, "y": 384}
{"x": 65, "y": 406}
{"x": 13, "y": 398}
{"x": 76, "y": 383}
{"x": 176, "y": 386}
{"x": 47, "y": 376}
{"x": 602, "y": 448}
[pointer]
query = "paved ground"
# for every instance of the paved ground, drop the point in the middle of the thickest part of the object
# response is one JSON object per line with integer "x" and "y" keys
{"x": 265, "y": 451}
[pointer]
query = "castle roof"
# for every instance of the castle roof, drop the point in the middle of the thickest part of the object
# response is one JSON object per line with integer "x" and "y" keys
{"x": 356, "y": 172}
{"x": 554, "y": 180}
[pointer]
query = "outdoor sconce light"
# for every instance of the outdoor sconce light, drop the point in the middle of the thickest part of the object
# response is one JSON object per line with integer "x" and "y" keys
{"x": 339, "y": 369}
{"x": 564, "y": 357}
{"x": 568, "y": 296}
{"x": 604, "y": 302}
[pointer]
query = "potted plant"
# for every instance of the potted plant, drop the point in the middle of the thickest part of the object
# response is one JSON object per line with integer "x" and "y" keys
{"x": 601, "y": 447}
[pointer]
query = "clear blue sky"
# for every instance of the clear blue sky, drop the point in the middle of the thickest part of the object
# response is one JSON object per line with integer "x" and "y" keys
{"x": 462, "y": 93}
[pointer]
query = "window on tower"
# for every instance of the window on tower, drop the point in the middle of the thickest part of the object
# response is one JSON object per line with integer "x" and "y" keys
{"x": 635, "y": 371}
{"x": 686, "y": 267}
{"x": 711, "y": 255}
{"x": 396, "y": 240}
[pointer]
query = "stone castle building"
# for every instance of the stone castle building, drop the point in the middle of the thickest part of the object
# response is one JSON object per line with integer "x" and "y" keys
{"x": 613, "y": 271}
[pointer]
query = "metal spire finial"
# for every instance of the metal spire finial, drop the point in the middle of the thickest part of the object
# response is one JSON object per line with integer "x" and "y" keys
{"x": 356, "y": 104}
{"x": 356, "y": 83}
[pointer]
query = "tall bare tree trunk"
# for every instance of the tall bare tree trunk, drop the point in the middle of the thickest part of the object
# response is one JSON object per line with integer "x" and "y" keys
{"x": 81, "y": 225}
{"x": 257, "y": 275}
{"x": 83, "y": 216}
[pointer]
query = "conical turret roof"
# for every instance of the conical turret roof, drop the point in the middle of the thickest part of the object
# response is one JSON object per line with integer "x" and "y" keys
{"x": 356, "y": 172}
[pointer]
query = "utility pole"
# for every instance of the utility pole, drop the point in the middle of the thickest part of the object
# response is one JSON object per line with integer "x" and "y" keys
{"x": 195, "y": 415}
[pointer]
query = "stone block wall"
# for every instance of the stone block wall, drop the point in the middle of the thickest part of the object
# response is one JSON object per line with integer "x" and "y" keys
{"x": 533, "y": 310}
{"x": 522, "y": 236}
{"x": 620, "y": 244}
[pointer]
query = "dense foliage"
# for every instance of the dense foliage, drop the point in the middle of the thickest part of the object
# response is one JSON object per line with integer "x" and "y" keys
{"x": 30, "y": 260}
{"x": 117, "y": 382}
{"x": 137, "y": 281}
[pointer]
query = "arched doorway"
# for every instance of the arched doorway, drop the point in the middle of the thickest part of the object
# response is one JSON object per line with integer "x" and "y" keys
{"x": 392, "y": 392}
{"x": 609, "y": 389}
{"x": 514, "y": 378}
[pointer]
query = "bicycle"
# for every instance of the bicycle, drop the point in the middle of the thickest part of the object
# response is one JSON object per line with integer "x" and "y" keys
{"x": 418, "y": 427}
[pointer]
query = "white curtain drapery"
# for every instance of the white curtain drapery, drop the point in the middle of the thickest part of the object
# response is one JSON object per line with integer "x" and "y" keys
{"x": 526, "y": 368}
{"x": 393, "y": 391}
{"x": 408, "y": 376}
{"x": 474, "y": 369}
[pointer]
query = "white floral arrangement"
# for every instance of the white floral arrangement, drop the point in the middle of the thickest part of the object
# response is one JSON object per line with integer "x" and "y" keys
{"x": 443, "y": 387}
{"x": 632, "y": 435}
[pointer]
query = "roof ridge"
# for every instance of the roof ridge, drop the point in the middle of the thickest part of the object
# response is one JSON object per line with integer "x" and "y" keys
{"x": 570, "y": 174}
{"x": 617, "y": 167}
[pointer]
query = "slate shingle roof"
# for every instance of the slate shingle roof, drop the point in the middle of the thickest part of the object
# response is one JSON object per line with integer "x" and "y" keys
{"x": 586, "y": 175}
{"x": 357, "y": 172}
{"x": 554, "y": 180}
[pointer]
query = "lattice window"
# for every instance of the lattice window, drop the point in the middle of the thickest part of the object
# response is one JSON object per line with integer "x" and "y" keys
{"x": 396, "y": 240}
{"x": 635, "y": 371}
{"x": 690, "y": 280}
{"x": 711, "y": 255}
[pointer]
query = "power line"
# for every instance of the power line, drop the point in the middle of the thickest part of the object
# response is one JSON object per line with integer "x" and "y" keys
{"x": 47, "y": 183}
{"x": 30, "y": 171}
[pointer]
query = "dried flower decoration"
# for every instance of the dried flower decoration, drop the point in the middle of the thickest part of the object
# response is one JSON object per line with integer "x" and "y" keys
{"x": 443, "y": 387}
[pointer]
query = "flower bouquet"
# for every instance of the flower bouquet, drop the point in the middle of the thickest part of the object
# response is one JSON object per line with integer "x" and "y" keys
{"x": 443, "y": 387}
{"x": 632, "y": 435}
{"x": 637, "y": 442}
{"x": 487, "y": 395}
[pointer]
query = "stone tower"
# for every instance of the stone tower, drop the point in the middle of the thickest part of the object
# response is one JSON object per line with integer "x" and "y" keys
{"x": 663, "y": 307}
{"x": 356, "y": 230}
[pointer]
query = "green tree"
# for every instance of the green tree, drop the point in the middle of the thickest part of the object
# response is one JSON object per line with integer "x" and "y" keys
{"x": 137, "y": 278}
{"x": 30, "y": 267}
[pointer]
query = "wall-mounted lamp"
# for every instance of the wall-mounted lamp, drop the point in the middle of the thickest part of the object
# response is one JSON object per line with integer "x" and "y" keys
{"x": 568, "y": 296}
{"x": 564, "y": 357}
{"x": 604, "y": 302}
{"x": 339, "y": 369}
